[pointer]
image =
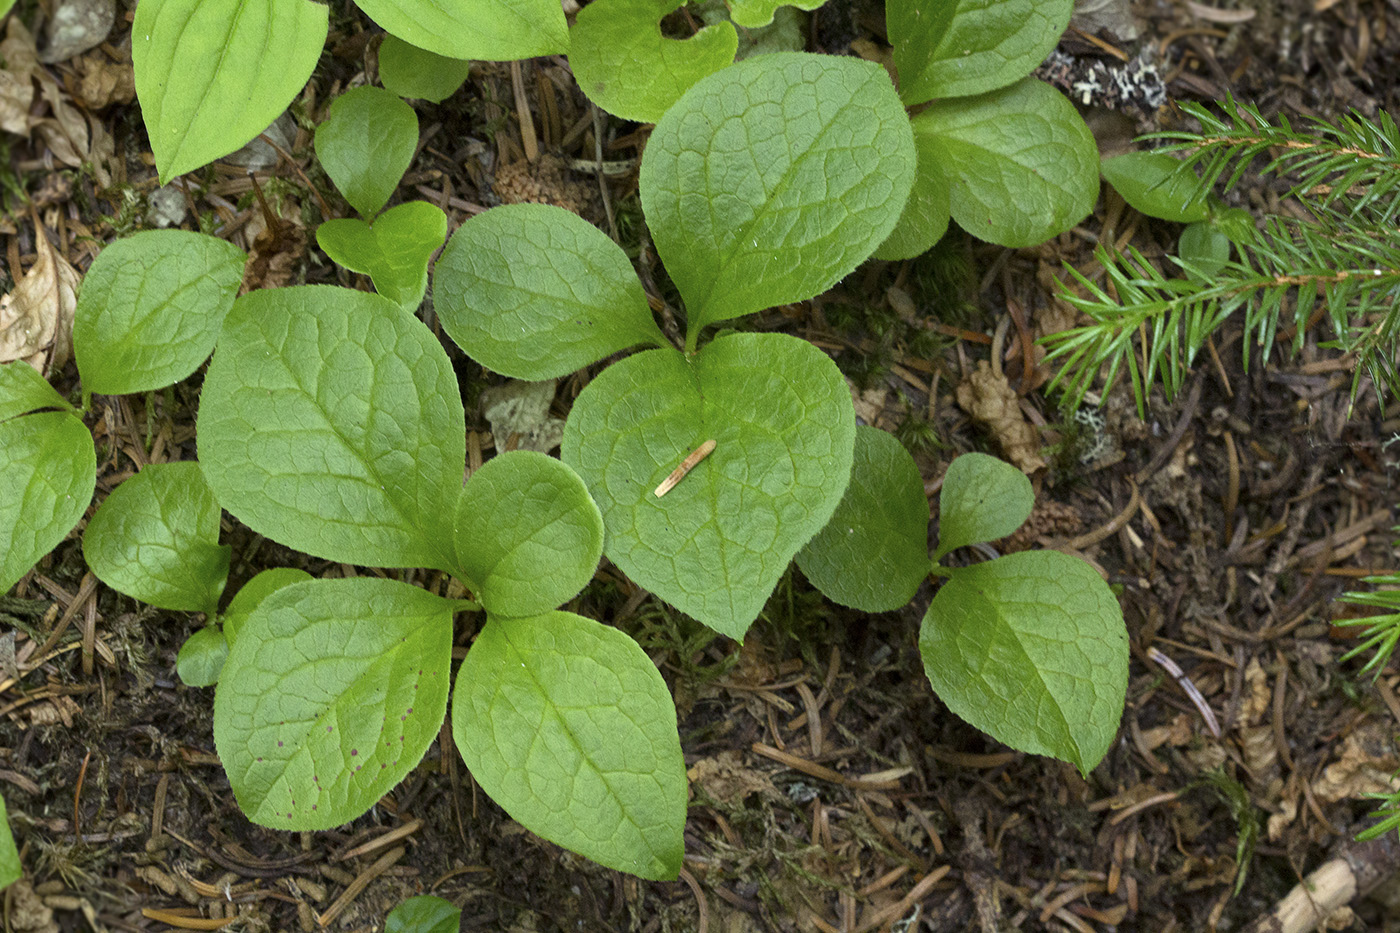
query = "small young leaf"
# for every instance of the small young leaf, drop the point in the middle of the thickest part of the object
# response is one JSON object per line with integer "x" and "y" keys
{"x": 48, "y": 470}
{"x": 535, "y": 292}
{"x": 925, "y": 218}
{"x": 393, "y": 252}
{"x": 1158, "y": 185}
{"x": 212, "y": 74}
{"x": 755, "y": 14}
{"x": 568, "y": 726}
{"x": 365, "y": 145}
{"x": 963, "y": 47}
{"x": 156, "y": 539}
{"x": 770, "y": 180}
{"x": 313, "y": 668}
{"x": 1031, "y": 649}
{"x": 627, "y": 67}
{"x": 1022, "y": 166}
{"x": 528, "y": 535}
{"x": 409, "y": 71}
{"x": 10, "y": 868}
{"x": 873, "y": 554}
{"x": 151, "y": 307}
{"x": 202, "y": 657}
{"x": 490, "y": 30}
{"x": 714, "y": 546}
{"x": 1205, "y": 247}
{"x": 23, "y": 390}
{"x": 251, "y": 595}
{"x": 331, "y": 422}
{"x": 424, "y": 914}
{"x": 982, "y": 499}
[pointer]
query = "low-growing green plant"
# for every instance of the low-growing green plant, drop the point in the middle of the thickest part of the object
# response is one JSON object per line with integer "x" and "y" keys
{"x": 1339, "y": 258}
{"x": 365, "y": 145}
{"x": 1005, "y": 155}
{"x": 10, "y": 868}
{"x": 213, "y": 74}
{"x": 1028, "y": 647}
{"x": 331, "y": 421}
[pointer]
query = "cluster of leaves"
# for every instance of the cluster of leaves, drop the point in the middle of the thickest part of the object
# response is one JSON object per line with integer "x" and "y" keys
{"x": 331, "y": 421}
{"x": 1340, "y": 258}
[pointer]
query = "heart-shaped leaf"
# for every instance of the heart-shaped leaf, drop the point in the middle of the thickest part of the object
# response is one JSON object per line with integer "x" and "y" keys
{"x": 528, "y": 535}
{"x": 151, "y": 307}
{"x": 982, "y": 499}
{"x": 873, "y": 554}
{"x": 959, "y": 47}
{"x": 365, "y": 145}
{"x": 212, "y": 74}
{"x": 393, "y": 252}
{"x": 568, "y": 726}
{"x": 716, "y": 544}
{"x": 48, "y": 470}
{"x": 1031, "y": 649}
{"x": 331, "y": 421}
{"x": 1022, "y": 167}
{"x": 156, "y": 539}
{"x": 23, "y": 390}
{"x": 331, "y": 694}
{"x": 626, "y": 66}
{"x": 409, "y": 71}
{"x": 492, "y": 30}
{"x": 770, "y": 180}
{"x": 536, "y": 292}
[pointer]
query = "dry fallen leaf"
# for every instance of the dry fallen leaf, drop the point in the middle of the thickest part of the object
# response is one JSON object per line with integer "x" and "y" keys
{"x": 36, "y": 319}
{"x": 724, "y": 778}
{"x": 104, "y": 82}
{"x": 1365, "y": 765}
{"x": 992, "y": 403}
{"x": 17, "y": 78}
{"x": 278, "y": 248}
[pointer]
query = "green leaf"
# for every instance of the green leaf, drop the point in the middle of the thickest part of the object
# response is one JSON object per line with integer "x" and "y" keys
{"x": 568, "y": 726}
{"x": 755, "y": 14}
{"x": 714, "y": 546}
{"x": 627, "y": 67}
{"x": 312, "y": 670}
{"x": 10, "y": 868}
{"x": 770, "y": 180}
{"x": 252, "y": 593}
{"x": 212, "y": 74}
{"x": 23, "y": 390}
{"x": 393, "y": 252}
{"x": 964, "y": 47}
{"x": 493, "y": 30}
{"x": 331, "y": 422}
{"x": 365, "y": 144}
{"x": 156, "y": 539}
{"x": 535, "y": 292}
{"x": 48, "y": 470}
{"x": 982, "y": 499}
{"x": 424, "y": 914}
{"x": 409, "y": 71}
{"x": 150, "y": 309}
{"x": 202, "y": 657}
{"x": 1205, "y": 247}
{"x": 1158, "y": 185}
{"x": 1031, "y": 649}
{"x": 873, "y": 554}
{"x": 528, "y": 535}
{"x": 925, "y": 217}
{"x": 1022, "y": 166}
